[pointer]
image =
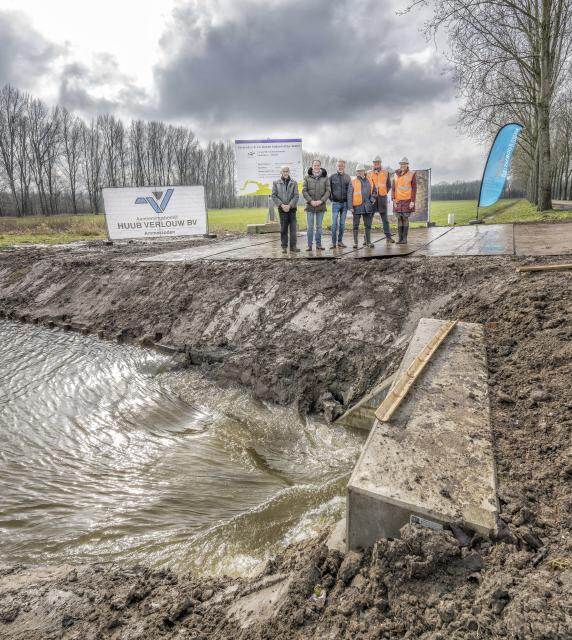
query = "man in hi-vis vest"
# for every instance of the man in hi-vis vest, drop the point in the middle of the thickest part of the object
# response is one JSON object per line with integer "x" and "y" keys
{"x": 403, "y": 193}
{"x": 361, "y": 196}
{"x": 382, "y": 182}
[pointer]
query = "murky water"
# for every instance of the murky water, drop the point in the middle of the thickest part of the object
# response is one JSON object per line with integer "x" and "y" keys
{"x": 108, "y": 454}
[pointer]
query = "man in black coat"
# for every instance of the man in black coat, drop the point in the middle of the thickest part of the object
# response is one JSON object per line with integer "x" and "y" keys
{"x": 339, "y": 183}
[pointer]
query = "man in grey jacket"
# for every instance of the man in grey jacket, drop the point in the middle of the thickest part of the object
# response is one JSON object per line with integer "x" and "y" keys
{"x": 285, "y": 197}
{"x": 316, "y": 192}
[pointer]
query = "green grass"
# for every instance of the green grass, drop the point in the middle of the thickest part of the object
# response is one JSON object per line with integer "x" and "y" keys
{"x": 503, "y": 211}
{"x": 67, "y": 228}
{"x": 50, "y": 229}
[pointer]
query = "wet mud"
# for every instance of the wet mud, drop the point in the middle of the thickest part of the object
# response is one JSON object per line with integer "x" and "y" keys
{"x": 317, "y": 336}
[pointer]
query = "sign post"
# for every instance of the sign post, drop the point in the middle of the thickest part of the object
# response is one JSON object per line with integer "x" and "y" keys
{"x": 258, "y": 164}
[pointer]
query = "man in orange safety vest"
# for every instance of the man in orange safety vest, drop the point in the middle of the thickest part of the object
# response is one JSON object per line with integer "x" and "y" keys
{"x": 361, "y": 196}
{"x": 382, "y": 181}
{"x": 403, "y": 193}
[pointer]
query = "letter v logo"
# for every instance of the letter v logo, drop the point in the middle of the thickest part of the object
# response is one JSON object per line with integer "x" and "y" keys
{"x": 158, "y": 207}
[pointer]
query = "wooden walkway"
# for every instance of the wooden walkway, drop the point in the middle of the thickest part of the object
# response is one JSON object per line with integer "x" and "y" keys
{"x": 542, "y": 239}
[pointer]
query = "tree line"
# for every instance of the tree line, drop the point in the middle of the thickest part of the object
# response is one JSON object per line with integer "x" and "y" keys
{"x": 52, "y": 161}
{"x": 470, "y": 189}
{"x": 511, "y": 61}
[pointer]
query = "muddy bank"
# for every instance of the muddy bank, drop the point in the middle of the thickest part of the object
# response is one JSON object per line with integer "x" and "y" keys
{"x": 316, "y": 334}
{"x": 337, "y": 326}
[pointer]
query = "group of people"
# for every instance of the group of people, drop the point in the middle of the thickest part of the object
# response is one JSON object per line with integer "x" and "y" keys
{"x": 362, "y": 196}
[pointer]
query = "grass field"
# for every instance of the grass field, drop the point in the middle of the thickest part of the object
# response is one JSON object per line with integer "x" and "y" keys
{"x": 68, "y": 228}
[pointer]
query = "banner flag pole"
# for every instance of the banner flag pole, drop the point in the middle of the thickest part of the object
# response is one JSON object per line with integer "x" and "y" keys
{"x": 497, "y": 166}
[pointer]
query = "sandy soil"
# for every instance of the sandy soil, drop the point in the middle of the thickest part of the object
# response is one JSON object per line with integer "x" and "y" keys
{"x": 318, "y": 334}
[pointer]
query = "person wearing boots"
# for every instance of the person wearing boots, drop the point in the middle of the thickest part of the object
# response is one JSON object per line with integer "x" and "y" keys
{"x": 361, "y": 196}
{"x": 403, "y": 193}
{"x": 382, "y": 182}
{"x": 285, "y": 197}
{"x": 316, "y": 192}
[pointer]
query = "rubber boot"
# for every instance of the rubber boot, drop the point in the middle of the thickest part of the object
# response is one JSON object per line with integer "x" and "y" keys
{"x": 405, "y": 232}
{"x": 356, "y": 238}
{"x": 368, "y": 242}
{"x": 400, "y": 232}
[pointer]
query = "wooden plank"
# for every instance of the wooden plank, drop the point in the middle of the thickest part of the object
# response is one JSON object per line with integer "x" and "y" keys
{"x": 394, "y": 398}
{"x": 546, "y": 267}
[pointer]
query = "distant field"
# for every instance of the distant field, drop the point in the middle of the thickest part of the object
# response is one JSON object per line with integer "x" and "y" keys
{"x": 464, "y": 210}
{"x": 68, "y": 228}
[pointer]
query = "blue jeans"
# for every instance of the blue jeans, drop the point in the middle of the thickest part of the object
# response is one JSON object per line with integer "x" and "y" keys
{"x": 339, "y": 212}
{"x": 314, "y": 218}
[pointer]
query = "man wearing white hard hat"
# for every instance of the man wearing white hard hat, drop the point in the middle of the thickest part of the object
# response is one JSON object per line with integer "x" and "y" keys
{"x": 382, "y": 182}
{"x": 361, "y": 195}
{"x": 403, "y": 193}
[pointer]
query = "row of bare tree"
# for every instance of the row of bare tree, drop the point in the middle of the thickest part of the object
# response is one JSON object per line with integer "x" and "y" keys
{"x": 52, "y": 161}
{"x": 511, "y": 60}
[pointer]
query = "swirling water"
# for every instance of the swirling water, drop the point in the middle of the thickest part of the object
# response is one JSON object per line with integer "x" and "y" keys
{"x": 108, "y": 453}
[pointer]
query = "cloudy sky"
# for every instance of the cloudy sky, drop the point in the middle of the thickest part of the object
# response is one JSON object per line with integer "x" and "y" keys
{"x": 353, "y": 79}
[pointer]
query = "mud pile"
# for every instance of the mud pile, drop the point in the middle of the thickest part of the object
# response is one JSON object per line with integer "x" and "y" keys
{"x": 318, "y": 334}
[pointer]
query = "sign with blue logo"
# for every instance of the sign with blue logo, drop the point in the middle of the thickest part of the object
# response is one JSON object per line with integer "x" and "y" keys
{"x": 498, "y": 164}
{"x": 155, "y": 212}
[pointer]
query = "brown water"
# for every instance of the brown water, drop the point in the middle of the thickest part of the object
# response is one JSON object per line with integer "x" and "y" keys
{"x": 106, "y": 453}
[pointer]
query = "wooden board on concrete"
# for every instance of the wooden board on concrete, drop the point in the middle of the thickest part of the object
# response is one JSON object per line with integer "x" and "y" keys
{"x": 435, "y": 459}
{"x": 543, "y": 239}
{"x": 473, "y": 240}
{"x": 362, "y": 414}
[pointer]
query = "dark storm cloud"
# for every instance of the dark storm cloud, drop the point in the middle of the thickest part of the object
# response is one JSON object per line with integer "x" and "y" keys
{"x": 26, "y": 54}
{"x": 281, "y": 62}
{"x": 82, "y": 86}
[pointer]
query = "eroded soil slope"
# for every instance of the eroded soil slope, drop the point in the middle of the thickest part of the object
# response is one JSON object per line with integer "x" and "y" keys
{"x": 314, "y": 333}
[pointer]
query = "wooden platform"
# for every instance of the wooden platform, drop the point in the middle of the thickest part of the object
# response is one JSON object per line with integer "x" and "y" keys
{"x": 473, "y": 240}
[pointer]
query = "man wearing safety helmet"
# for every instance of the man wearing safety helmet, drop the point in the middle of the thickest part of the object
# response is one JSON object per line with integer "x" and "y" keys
{"x": 361, "y": 195}
{"x": 382, "y": 182}
{"x": 403, "y": 193}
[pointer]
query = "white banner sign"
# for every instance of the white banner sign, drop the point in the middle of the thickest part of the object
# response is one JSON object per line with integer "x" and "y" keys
{"x": 155, "y": 212}
{"x": 258, "y": 164}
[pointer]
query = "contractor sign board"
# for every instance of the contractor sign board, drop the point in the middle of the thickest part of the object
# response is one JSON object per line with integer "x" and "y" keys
{"x": 258, "y": 163}
{"x": 155, "y": 212}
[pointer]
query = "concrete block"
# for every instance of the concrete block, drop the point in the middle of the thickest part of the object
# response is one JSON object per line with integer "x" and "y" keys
{"x": 434, "y": 459}
{"x": 362, "y": 414}
{"x": 267, "y": 227}
{"x": 336, "y": 541}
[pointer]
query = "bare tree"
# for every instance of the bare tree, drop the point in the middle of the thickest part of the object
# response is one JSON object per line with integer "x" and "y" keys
{"x": 70, "y": 161}
{"x": 12, "y": 112}
{"x": 509, "y": 57}
{"x": 92, "y": 160}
